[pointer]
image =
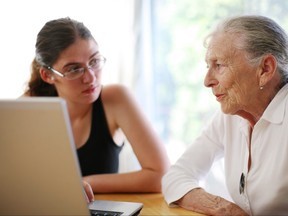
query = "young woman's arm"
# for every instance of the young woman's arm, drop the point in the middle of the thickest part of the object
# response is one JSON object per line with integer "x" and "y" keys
{"x": 123, "y": 112}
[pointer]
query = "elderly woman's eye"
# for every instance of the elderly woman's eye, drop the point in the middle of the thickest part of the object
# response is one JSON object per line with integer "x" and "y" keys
{"x": 218, "y": 64}
{"x": 221, "y": 68}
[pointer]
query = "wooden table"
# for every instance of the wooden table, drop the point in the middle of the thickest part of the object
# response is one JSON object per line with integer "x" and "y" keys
{"x": 154, "y": 203}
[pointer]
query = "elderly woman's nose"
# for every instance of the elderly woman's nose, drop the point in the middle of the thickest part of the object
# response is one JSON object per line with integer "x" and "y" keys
{"x": 209, "y": 80}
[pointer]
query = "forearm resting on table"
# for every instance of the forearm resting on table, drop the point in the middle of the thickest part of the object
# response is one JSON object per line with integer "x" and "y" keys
{"x": 138, "y": 181}
{"x": 199, "y": 200}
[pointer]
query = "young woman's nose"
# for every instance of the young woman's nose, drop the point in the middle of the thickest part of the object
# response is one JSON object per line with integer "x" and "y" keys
{"x": 89, "y": 75}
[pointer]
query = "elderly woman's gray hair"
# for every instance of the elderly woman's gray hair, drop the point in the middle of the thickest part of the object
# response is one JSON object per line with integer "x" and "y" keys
{"x": 261, "y": 36}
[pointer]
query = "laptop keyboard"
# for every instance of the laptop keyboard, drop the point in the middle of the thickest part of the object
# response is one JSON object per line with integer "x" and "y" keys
{"x": 104, "y": 213}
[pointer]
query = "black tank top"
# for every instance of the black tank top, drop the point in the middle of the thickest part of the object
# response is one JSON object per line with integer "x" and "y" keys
{"x": 100, "y": 154}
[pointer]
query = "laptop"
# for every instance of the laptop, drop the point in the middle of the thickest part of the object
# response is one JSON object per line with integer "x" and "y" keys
{"x": 39, "y": 170}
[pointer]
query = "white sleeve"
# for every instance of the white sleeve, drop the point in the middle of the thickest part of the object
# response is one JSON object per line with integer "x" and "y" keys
{"x": 195, "y": 163}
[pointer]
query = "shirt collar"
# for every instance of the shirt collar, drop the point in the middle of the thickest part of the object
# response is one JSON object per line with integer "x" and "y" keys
{"x": 275, "y": 111}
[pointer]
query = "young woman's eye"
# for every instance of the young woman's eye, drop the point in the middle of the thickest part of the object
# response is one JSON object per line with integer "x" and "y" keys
{"x": 73, "y": 69}
{"x": 93, "y": 62}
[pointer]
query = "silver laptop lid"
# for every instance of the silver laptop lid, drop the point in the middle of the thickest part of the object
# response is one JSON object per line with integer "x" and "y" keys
{"x": 38, "y": 161}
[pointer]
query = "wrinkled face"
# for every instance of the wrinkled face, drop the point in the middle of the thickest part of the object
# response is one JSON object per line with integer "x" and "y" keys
{"x": 232, "y": 79}
{"x": 86, "y": 88}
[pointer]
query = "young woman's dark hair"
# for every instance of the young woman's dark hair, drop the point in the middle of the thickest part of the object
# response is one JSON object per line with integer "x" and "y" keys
{"x": 53, "y": 38}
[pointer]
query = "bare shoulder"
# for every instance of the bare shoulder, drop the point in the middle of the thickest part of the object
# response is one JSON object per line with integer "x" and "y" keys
{"x": 115, "y": 93}
{"x": 117, "y": 102}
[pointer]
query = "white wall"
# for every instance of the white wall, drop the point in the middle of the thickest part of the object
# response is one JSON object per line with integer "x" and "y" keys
{"x": 20, "y": 21}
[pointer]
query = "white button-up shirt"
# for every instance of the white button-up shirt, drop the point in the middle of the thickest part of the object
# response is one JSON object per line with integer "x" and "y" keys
{"x": 266, "y": 183}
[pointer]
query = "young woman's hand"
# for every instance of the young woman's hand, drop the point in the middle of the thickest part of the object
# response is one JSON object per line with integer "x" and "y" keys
{"x": 88, "y": 191}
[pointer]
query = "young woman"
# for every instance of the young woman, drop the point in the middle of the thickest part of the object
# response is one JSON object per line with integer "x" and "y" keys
{"x": 68, "y": 64}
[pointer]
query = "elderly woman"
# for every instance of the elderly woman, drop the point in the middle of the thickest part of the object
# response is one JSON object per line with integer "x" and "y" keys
{"x": 247, "y": 71}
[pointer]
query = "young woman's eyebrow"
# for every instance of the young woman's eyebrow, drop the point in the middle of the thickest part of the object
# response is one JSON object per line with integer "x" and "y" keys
{"x": 78, "y": 63}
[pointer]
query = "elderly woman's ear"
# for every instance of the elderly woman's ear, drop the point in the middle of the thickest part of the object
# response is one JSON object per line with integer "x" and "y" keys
{"x": 268, "y": 68}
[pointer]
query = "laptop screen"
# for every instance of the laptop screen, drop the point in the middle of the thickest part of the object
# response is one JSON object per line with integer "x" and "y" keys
{"x": 39, "y": 169}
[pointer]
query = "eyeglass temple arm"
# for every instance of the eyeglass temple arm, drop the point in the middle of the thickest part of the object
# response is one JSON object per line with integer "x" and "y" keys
{"x": 54, "y": 71}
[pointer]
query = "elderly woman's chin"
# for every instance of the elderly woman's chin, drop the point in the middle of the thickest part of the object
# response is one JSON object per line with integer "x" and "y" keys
{"x": 228, "y": 109}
